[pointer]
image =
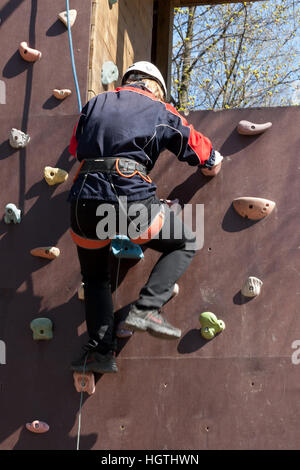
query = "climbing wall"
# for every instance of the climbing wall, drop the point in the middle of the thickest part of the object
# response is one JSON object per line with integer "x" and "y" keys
{"x": 237, "y": 391}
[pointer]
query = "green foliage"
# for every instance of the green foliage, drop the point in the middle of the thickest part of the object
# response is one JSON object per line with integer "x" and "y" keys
{"x": 236, "y": 55}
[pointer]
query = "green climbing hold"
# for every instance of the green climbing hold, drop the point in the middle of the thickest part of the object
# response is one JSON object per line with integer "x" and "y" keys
{"x": 210, "y": 325}
{"x": 42, "y": 328}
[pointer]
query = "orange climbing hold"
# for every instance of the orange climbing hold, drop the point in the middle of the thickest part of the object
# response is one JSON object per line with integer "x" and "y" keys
{"x": 249, "y": 128}
{"x": 253, "y": 208}
{"x": 37, "y": 427}
{"x": 61, "y": 94}
{"x": 84, "y": 382}
{"x": 49, "y": 252}
{"x": 28, "y": 54}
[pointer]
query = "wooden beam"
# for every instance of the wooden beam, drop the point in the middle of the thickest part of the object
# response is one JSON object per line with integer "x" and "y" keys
{"x": 190, "y": 3}
{"x": 162, "y": 53}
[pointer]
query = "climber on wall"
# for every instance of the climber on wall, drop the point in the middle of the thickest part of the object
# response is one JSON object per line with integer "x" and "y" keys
{"x": 118, "y": 139}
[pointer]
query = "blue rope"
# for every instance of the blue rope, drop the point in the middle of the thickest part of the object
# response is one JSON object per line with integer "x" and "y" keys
{"x": 72, "y": 57}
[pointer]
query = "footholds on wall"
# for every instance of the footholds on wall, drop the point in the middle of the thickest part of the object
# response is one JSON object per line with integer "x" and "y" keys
{"x": 253, "y": 208}
{"x": 29, "y": 54}
{"x": 38, "y": 427}
{"x": 109, "y": 73}
{"x": 54, "y": 175}
{"x": 12, "y": 214}
{"x": 18, "y": 139}
{"x": 210, "y": 325}
{"x": 48, "y": 252}
{"x": 42, "y": 329}
{"x": 61, "y": 94}
{"x": 252, "y": 287}
{"x": 84, "y": 382}
{"x": 249, "y": 128}
{"x": 123, "y": 247}
{"x": 64, "y": 17}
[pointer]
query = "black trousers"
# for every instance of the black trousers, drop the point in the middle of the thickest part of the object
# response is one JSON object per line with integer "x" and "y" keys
{"x": 175, "y": 241}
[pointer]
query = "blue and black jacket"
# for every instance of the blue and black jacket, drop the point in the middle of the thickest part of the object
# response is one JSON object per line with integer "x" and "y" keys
{"x": 131, "y": 122}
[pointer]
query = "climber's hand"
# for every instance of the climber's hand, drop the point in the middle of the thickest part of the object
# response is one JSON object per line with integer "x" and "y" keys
{"x": 214, "y": 170}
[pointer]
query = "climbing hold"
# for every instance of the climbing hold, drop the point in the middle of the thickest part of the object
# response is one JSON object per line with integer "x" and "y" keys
{"x": 49, "y": 252}
{"x": 12, "y": 214}
{"x": 42, "y": 328}
{"x": 2, "y": 92}
{"x": 18, "y": 139}
{"x": 64, "y": 17}
{"x": 84, "y": 382}
{"x": 252, "y": 287}
{"x": 54, "y": 175}
{"x": 210, "y": 325}
{"x": 109, "y": 73}
{"x": 28, "y": 54}
{"x": 122, "y": 247}
{"x": 175, "y": 290}
{"x": 253, "y": 208}
{"x": 111, "y": 2}
{"x": 38, "y": 427}
{"x": 81, "y": 292}
{"x": 61, "y": 94}
{"x": 122, "y": 331}
{"x": 249, "y": 128}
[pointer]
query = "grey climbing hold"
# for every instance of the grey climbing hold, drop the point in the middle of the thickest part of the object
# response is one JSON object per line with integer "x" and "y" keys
{"x": 18, "y": 139}
{"x": 252, "y": 287}
{"x": 112, "y": 2}
{"x": 42, "y": 328}
{"x": 64, "y": 17}
{"x": 12, "y": 214}
{"x": 109, "y": 73}
{"x": 2, "y": 92}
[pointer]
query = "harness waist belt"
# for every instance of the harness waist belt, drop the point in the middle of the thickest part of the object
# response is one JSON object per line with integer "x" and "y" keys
{"x": 112, "y": 165}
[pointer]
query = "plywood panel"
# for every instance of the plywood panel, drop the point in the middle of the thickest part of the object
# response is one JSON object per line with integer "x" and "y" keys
{"x": 121, "y": 34}
{"x": 238, "y": 391}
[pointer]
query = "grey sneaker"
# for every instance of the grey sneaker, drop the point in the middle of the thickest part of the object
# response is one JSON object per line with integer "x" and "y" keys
{"x": 150, "y": 320}
{"x": 93, "y": 361}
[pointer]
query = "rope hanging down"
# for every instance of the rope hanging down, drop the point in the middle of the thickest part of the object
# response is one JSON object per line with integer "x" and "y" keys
{"x": 72, "y": 57}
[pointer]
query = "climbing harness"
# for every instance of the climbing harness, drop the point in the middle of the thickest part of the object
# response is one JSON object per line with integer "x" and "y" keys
{"x": 125, "y": 167}
{"x": 72, "y": 56}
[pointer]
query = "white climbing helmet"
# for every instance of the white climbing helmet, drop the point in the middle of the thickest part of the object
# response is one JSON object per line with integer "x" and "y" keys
{"x": 148, "y": 69}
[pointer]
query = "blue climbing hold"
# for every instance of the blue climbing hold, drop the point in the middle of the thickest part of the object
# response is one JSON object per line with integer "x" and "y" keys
{"x": 109, "y": 73}
{"x": 122, "y": 247}
{"x": 12, "y": 214}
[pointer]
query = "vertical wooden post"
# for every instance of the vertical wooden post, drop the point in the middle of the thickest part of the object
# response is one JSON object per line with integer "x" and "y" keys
{"x": 162, "y": 42}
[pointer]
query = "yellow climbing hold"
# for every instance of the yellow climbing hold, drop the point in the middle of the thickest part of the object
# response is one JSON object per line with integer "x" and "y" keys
{"x": 210, "y": 325}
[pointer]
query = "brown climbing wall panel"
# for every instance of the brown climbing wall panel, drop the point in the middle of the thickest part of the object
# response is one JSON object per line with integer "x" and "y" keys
{"x": 238, "y": 391}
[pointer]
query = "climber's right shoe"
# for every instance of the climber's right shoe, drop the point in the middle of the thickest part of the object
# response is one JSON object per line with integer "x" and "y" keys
{"x": 151, "y": 321}
{"x": 94, "y": 361}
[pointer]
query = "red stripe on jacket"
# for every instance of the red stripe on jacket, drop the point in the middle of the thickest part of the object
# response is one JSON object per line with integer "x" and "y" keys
{"x": 73, "y": 142}
{"x": 200, "y": 144}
